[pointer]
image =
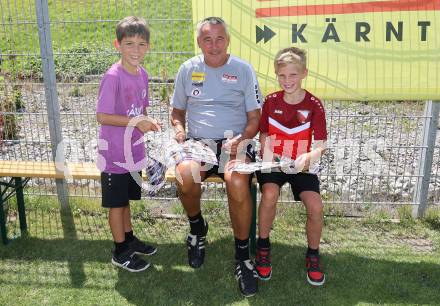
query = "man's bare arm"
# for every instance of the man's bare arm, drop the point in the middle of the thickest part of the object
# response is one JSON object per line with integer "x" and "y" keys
{"x": 251, "y": 129}
{"x": 178, "y": 122}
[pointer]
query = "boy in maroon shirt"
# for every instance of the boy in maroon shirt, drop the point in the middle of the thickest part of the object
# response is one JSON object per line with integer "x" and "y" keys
{"x": 289, "y": 119}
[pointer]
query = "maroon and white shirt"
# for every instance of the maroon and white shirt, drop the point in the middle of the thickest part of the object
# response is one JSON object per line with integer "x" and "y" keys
{"x": 292, "y": 125}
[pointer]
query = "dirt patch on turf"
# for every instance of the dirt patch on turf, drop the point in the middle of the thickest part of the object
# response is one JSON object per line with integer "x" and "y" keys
{"x": 417, "y": 244}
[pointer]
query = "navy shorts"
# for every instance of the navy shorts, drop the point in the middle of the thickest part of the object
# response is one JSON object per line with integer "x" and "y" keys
{"x": 216, "y": 170}
{"x": 119, "y": 189}
{"x": 298, "y": 182}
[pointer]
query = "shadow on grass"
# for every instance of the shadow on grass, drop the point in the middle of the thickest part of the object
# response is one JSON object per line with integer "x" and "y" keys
{"x": 351, "y": 279}
{"x": 76, "y": 268}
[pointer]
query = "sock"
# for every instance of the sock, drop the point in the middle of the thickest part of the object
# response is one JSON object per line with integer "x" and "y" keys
{"x": 120, "y": 247}
{"x": 197, "y": 224}
{"x": 312, "y": 251}
{"x": 241, "y": 249}
{"x": 263, "y": 243}
{"x": 129, "y": 236}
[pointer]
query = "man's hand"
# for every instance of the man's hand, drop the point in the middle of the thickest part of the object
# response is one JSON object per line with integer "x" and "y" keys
{"x": 231, "y": 145}
{"x": 178, "y": 122}
{"x": 180, "y": 136}
{"x": 145, "y": 124}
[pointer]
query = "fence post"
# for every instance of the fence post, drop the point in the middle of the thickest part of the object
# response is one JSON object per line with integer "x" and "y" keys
{"x": 53, "y": 107}
{"x": 426, "y": 156}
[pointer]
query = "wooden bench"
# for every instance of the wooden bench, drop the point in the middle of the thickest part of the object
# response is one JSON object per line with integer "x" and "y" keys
{"x": 20, "y": 172}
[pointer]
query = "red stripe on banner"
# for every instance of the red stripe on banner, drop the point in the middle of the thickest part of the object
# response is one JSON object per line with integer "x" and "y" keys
{"x": 349, "y": 8}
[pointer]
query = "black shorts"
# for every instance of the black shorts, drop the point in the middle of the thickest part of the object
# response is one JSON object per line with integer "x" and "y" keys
{"x": 119, "y": 189}
{"x": 219, "y": 170}
{"x": 298, "y": 182}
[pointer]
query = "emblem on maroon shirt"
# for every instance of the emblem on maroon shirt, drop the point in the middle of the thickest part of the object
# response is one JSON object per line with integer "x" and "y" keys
{"x": 301, "y": 115}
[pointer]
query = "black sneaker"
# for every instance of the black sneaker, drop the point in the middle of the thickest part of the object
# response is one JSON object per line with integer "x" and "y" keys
{"x": 196, "y": 248}
{"x": 130, "y": 262}
{"x": 139, "y": 247}
{"x": 247, "y": 277}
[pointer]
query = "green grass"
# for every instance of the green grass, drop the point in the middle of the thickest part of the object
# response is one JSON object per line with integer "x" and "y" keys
{"x": 65, "y": 260}
{"x": 85, "y": 31}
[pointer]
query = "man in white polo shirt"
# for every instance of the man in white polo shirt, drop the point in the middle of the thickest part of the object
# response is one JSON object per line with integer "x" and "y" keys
{"x": 218, "y": 95}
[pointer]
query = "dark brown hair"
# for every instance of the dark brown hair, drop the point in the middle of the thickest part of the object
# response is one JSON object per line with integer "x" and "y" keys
{"x": 131, "y": 26}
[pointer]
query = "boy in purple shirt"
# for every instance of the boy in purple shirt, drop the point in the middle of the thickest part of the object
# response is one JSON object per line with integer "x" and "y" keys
{"x": 121, "y": 111}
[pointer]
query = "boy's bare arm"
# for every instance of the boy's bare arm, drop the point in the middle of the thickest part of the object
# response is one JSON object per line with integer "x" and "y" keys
{"x": 178, "y": 122}
{"x": 263, "y": 138}
{"x": 266, "y": 147}
{"x": 304, "y": 161}
{"x": 143, "y": 122}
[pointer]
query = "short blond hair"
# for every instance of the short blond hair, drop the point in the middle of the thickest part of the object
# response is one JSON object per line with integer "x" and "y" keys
{"x": 291, "y": 55}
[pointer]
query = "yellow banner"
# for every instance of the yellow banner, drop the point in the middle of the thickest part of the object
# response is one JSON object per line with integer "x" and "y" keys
{"x": 357, "y": 50}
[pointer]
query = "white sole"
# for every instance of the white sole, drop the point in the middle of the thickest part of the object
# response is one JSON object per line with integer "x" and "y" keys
{"x": 315, "y": 283}
{"x": 265, "y": 279}
{"x": 128, "y": 269}
{"x": 138, "y": 253}
{"x": 248, "y": 296}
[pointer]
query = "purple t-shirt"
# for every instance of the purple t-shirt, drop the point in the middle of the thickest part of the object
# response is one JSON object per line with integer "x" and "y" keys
{"x": 121, "y": 149}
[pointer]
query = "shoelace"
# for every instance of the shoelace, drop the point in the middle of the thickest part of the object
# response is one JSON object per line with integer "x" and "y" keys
{"x": 313, "y": 263}
{"x": 192, "y": 239}
{"x": 263, "y": 257}
{"x": 201, "y": 243}
{"x": 243, "y": 269}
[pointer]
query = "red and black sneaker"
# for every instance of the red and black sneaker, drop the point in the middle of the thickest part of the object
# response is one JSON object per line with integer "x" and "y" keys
{"x": 315, "y": 276}
{"x": 262, "y": 263}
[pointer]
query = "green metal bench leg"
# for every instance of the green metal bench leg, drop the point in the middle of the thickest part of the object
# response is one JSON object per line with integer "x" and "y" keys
{"x": 20, "y": 204}
{"x": 3, "y": 221}
{"x": 253, "y": 230}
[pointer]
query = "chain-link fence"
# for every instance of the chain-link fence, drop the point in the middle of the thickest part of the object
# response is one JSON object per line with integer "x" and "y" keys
{"x": 377, "y": 150}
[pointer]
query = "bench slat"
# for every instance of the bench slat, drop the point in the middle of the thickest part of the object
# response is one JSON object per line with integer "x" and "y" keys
{"x": 84, "y": 170}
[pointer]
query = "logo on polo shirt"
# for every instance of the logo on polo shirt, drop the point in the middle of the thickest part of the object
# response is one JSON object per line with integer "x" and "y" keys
{"x": 227, "y": 78}
{"x": 197, "y": 77}
{"x": 134, "y": 111}
{"x": 278, "y": 111}
{"x": 196, "y": 92}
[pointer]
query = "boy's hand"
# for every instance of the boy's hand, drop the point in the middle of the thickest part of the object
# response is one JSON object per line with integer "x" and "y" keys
{"x": 276, "y": 157}
{"x": 269, "y": 156}
{"x": 146, "y": 124}
{"x": 302, "y": 162}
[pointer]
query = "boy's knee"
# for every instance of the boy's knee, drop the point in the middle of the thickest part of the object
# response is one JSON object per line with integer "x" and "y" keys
{"x": 269, "y": 199}
{"x": 314, "y": 210}
{"x": 270, "y": 193}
